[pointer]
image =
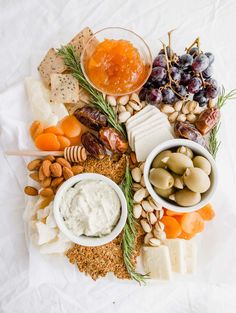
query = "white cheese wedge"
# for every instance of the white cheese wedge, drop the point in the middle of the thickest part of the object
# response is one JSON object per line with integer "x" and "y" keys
{"x": 146, "y": 126}
{"x": 191, "y": 256}
{"x": 45, "y": 234}
{"x": 141, "y": 113}
{"x": 144, "y": 145}
{"x": 56, "y": 247}
{"x": 177, "y": 251}
{"x": 156, "y": 262}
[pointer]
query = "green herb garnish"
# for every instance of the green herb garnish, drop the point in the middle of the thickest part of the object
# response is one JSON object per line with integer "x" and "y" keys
{"x": 72, "y": 61}
{"x": 129, "y": 233}
{"x": 214, "y": 142}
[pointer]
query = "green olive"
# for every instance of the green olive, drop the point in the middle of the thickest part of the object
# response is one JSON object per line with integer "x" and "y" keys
{"x": 203, "y": 163}
{"x": 160, "y": 178}
{"x": 196, "y": 180}
{"x": 186, "y": 197}
{"x": 157, "y": 161}
{"x": 178, "y": 162}
{"x": 185, "y": 150}
{"x": 165, "y": 193}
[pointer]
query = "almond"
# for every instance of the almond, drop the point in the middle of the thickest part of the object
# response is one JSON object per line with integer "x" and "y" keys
{"x": 77, "y": 169}
{"x": 46, "y": 192}
{"x": 35, "y": 176}
{"x": 34, "y": 165}
{"x": 56, "y": 181}
{"x": 41, "y": 174}
{"x": 31, "y": 191}
{"x": 46, "y": 182}
{"x": 46, "y": 168}
{"x": 56, "y": 169}
{"x": 45, "y": 202}
{"x": 67, "y": 173}
{"x": 36, "y": 129}
{"x": 63, "y": 162}
{"x": 50, "y": 158}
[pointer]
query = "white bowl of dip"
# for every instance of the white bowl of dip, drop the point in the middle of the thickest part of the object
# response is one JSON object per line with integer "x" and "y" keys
{"x": 90, "y": 209}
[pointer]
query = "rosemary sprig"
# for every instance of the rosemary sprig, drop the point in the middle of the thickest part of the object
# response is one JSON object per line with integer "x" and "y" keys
{"x": 214, "y": 143}
{"x": 129, "y": 233}
{"x": 72, "y": 61}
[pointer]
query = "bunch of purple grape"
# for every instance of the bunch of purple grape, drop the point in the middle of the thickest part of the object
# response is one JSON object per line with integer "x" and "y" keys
{"x": 187, "y": 74}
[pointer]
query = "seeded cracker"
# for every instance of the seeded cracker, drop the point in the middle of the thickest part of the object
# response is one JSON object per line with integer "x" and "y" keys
{"x": 64, "y": 88}
{"x": 80, "y": 40}
{"x": 52, "y": 63}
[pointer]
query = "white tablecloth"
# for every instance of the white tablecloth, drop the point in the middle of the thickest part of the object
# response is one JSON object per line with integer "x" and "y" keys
{"x": 27, "y": 30}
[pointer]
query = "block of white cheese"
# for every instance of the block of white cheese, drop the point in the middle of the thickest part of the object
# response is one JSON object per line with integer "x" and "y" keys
{"x": 156, "y": 262}
{"x": 141, "y": 113}
{"x": 144, "y": 145}
{"x": 177, "y": 249}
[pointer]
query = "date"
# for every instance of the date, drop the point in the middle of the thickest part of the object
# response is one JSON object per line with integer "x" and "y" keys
{"x": 93, "y": 145}
{"x": 91, "y": 117}
{"x": 208, "y": 120}
{"x": 113, "y": 140}
{"x": 189, "y": 131}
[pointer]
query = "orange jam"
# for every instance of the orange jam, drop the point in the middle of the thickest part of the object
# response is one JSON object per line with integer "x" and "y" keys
{"x": 116, "y": 67}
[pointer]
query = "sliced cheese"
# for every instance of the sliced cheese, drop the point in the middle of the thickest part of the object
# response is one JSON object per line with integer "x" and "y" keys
{"x": 144, "y": 145}
{"x": 177, "y": 249}
{"x": 190, "y": 256}
{"x": 141, "y": 113}
{"x": 156, "y": 262}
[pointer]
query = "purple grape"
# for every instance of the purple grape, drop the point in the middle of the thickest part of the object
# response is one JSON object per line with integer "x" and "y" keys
{"x": 175, "y": 73}
{"x": 143, "y": 93}
{"x": 211, "y": 91}
{"x": 200, "y": 63}
{"x": 208, "y": 72}
{"x": 193, "y": 51}
{"x": 185, "y": 78}
{"x": 181, "y": 90}
{"x": 160, "y": 60}
{"x": 185, "y": 60}
{"x": 212, "y": 82}
{"x": 201, "y": 98}
{"x": 148, "y": 84}
{"x": 154, "y": 96}
{"x": 168, "y": 50}
{"x": 210, "y": 57}
{"x": 168, "y": 96}
{"x": 158, "y": 74}
{"x": 194, "y": 85}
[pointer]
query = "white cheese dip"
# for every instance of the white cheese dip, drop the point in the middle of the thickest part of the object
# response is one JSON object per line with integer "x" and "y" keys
{"x": 90, "y": 208}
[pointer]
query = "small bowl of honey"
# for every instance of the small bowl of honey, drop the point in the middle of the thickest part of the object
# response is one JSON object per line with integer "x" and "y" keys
{"x": 116, "y": 61}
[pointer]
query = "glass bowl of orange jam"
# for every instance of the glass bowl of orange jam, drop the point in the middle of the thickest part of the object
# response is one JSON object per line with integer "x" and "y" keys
{"x": 116, "y": 61}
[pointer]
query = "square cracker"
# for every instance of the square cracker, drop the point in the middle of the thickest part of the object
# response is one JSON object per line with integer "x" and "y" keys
{"x": 52, "y": 63}
{"x": 64, "y": 88}
{"x": 80, "y": 40}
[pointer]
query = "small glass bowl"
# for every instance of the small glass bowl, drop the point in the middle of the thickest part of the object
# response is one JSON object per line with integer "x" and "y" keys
{"x": 117, "y": 33}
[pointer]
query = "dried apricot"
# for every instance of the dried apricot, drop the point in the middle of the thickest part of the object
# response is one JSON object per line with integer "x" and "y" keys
{"x": 54, "y": 130}
{"x": 75, "y": 141}
{"x": 64, "y": 142}
{"x": 36, "y": 129}
{"x": 47, "y": 142}
{"x": 71, "y": 126}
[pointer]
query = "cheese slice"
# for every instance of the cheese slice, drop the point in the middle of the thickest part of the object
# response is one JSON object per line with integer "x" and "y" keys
{"x": 190, "y": 256}
{"x": 145, "y": 127}
{"x": 145, "y": 110}
{"x": 144, "y": 145}
{"x": 156, "y": 262}
{"x": 177, "y": 251}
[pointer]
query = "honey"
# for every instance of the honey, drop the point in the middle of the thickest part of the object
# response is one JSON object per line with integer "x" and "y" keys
{"x": 116, "y": 67}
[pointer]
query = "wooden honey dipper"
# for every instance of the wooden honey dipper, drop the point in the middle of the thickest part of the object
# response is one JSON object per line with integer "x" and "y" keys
{"x": 71, "y": 154}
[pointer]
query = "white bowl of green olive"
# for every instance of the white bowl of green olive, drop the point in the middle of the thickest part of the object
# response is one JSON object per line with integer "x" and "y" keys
{"x": 181, "y": 175}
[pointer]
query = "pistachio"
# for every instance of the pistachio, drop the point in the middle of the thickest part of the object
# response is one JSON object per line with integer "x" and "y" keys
{"x": 172, "y": 117}
{"x": 178, "y": 106}
{"x": 167, "y": 109}
{"x": 146, "y": 227}
{"x": 144, "y": 214}
{"x": 136, "y": 174}
{"x": 154, "y": 242}
{"x": 140, "y": 195}
{"x": 152, "y": 218}
{"x": 129, "y": 109}
{"x": 147, "y": 237}
{"x": 211, "y": 103}
{"x": 121, "y": 109}
{"x": 111, "y": 100}
{"x": 124, "y": 116}
{"x": 191, "y": 117}
{"x": 135, "y": 97}
{"x": 185, "y": 109}
{"x": 192, "y": 105}
{"x": 142, "y": 182}
{"x": 137, "y": 210}
{"x": 159, "y": 226}
{"x": 142, "y": 167}
{"x": 123, "y": 100}
{"x": 137, "y": 106}
{"x": 136, "y": 186}
{"x": 146, "y": 206}
{"x": 181, "y": 117}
